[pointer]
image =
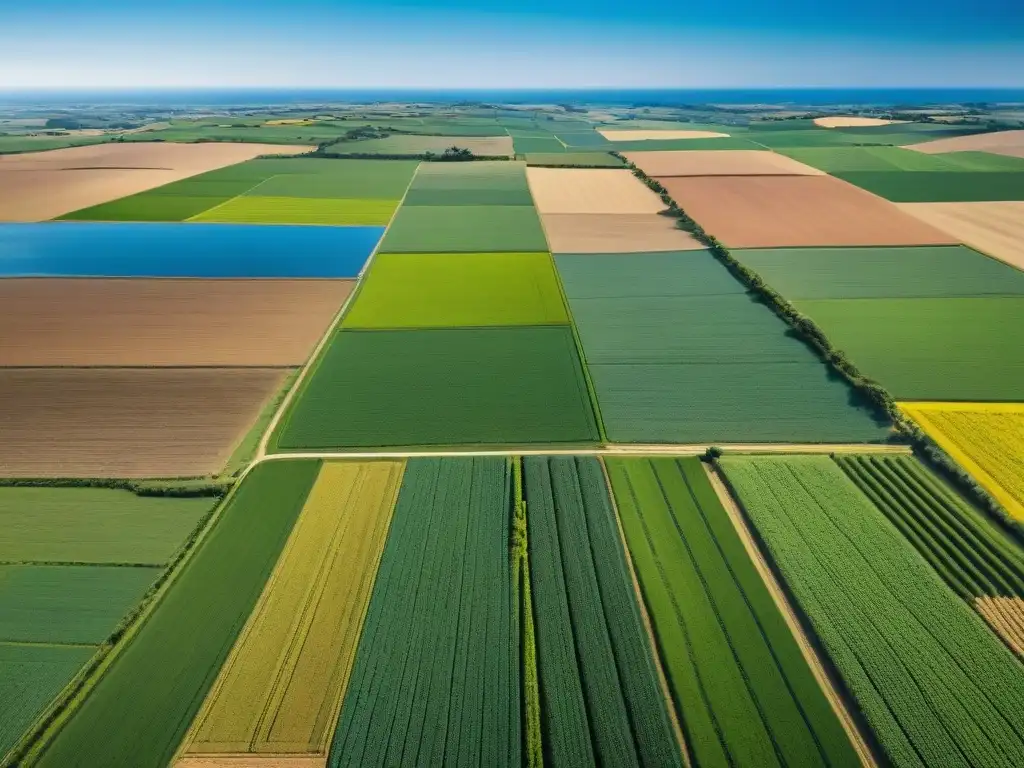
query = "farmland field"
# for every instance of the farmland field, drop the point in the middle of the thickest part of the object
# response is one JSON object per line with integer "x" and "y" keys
{"x": 993, "y": 228}
{"x": 745, "y": 693}
{"x": 127, "y": 422}
{"x": 975, "y": 558}
{"x": 487, "y": 146}
{"x": 464, "y": 229}
{"x": 1010, "y": 143}
{"x": 901, "y": 162}
{"x": 936, "y": 686}
{"x": 281, "y": 688}
{"x": 933, "y": 348}
{"x": 94, "y": 525}
{"x": 475, "y": 184}
{"x": 619, "y": 233}
{"x": 125, "y": 322}
{"x": 690, "y": 145}
{"x": 436, "y": 679}
{"x": 986, "y": 438}
{"x": 573, "y": 159}
{"x": 300, "y": 210}
{"x": 440, "y": 290}
{"x": 67, "y": 603}
{"x": 144, "y": 703}
{"x": 940, "y": 186}
{"x": 793, "y": 211}
{"x": 876, "y": 273}
{"x": 644, "y": 275}
{"x": 591, "y": 191}
{"x": 603, "y": 704}
{"x": 443, "y": 387}
{"x": 740, "y": 162}
{"x": 170, "y": 250}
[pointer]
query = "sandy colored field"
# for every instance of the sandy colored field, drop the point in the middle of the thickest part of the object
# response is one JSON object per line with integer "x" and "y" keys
{"x": 781, "y": 211}
{"x": 127, "y": 422}
{"x": 621, "y": 233}
{"x": 36, "y": 186}
{"x": 57, "y": 322}
{"x": 993, "y": 228}
{"x": 252, "y": 761}
{"x": 1001, "y": 143}
{"x": 853, "y": 122}
{"x": 713, "y": 162}
{"x": 591, "y": 190}
{"x": 613, "y": 135}
{"x": 1006, "y": 617}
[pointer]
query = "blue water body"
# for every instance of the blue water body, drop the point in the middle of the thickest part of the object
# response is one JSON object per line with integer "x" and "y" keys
{"x": 266, "y": 97}
{"x": 86, "y": 249}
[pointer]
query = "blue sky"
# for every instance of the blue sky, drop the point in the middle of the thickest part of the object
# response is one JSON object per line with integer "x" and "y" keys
{"x": 528, "y": 43}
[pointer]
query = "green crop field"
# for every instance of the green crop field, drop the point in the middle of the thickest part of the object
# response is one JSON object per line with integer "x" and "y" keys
{"x": 644, "y": 275}
{"x": 743, "y": 688}
{"x": 878, "y": 159}
{"x": 877, "y": 273}
{"x": 300, "y": 210}
{"x": 464, "y": 229}
{"x": 94, "y": 525}
{"x": 936, "y": 686}
{"x": 31, "y": 676}
{"x": 603, "y": 704}
{"x": 538, "y": 143}
{"x": 437, "y": 290}
{"x": 939, "y": 186}
{"x": 572, "y": 159}
{"x": 145, "y": 206}
{"x": 68, "y": 603}
{"x": 650, "y": 145}
{"x": 589, "y": 139}
{"x": 349, "y": 179}
{"x": 436, "y": 679}
{"x": 930, "y": 349}
{"x": 443, "y": 387}
{"x": 475, "y": 184}
{"x": 144, "y": 703}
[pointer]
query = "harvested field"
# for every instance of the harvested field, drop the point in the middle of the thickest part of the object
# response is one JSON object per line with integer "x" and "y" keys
{"x": 31, "y": 676}
{"x": 71, "y": 604}
{"x": 43, "y": 185}
{"x": 148, "y": 697}
{"x": 166, "y": 322}
{"x": 486, "y": 146}
{"x": 858, "y": 273}
{"x": 602, "y": 704}
{"x": 300, "y": 210}
{"x": 690, "y": 145}
{"x": 621, "y": 233}
{"x": 932, "y": 348}
{"x": 437, "y": 673}
{"x": 127, "y": 422}
{"x": 248, "y": 761}
{"x": 440, "y": 290}
{"x": 280, "y": 691}
{"x": 642, "y": 135}
{"x": 940, "y": 186}
{"x": 94, "y": 525}
{"x": 742, "y": 686}
{"x": 737, "y": 162}
{"x": 1001, "y": 143}
{"x": 853, "y": 122}
{"x": 464, "y": 229}
{"x": 993, "y": 228}
{"x": 468, "y": 386}
{"x": 590, "y": 191}
{"x": 783, "y": 211}
{"x": 934, "y": 684}
{"x": 987, "y": 439}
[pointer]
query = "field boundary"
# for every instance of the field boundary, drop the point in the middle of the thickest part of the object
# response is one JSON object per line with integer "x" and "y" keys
{"x": 841, "y": 704}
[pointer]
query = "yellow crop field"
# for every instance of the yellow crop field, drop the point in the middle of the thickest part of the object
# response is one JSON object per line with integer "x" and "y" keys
{"x": 986, "y": 438}
{"x": 282, "y": 686}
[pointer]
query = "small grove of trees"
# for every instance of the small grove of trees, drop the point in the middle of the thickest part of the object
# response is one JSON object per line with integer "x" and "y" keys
{"x": 451, "y": 155}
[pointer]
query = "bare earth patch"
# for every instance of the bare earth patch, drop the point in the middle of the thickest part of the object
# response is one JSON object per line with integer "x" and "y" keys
{"x": 1006, "y": 617}
{"x": 37, "y": 186}
{"x": 57, "y": 322}
{"x": 638, "y": 135}
{"x": 251, "y": 761}
{"x": 783, "y": 211}
{"x": 621, "y": 233}
{"x": 853, "y": 122}
{"x": 127, "y": 422}
{"x": 714, "y": 162}
{"x": 993, "y": 228}
{"x": 591, "y": 190}
{"x": 1001, "y": 143}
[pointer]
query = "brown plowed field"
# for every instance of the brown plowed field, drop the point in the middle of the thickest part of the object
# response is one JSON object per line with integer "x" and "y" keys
{"x": 993, "y": 228}
{"x": 127, "y": 422}
{"x": 620, "y": 233}
{"x": 37, "y": 186}
{"x": 792, "y": 211}
{"x": 591, "y": 190}
{"x": 55, "y": 322}
{"x": 729, "y": 162}
{"x": 1001, "y": 143}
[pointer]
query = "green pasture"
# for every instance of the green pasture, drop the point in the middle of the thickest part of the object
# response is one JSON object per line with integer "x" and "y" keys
{"x": 529, "y": 144}
{"x": 492, "y": 386}
{"x": 651, "y": 145}
{"x": 331, "y": 178}
{"x": 434, "y": 290}
{"x": 573, "y": 159}
{"x": 644, "y": 275}
{"x": 300, "y": 210}
{"x": 586, "y": 139}
{"x": 464, "y": 229}
{"x": 940, "y": 186}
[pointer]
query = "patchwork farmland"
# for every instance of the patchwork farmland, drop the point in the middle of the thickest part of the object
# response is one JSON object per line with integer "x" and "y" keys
{"x": 513, "y": 436}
